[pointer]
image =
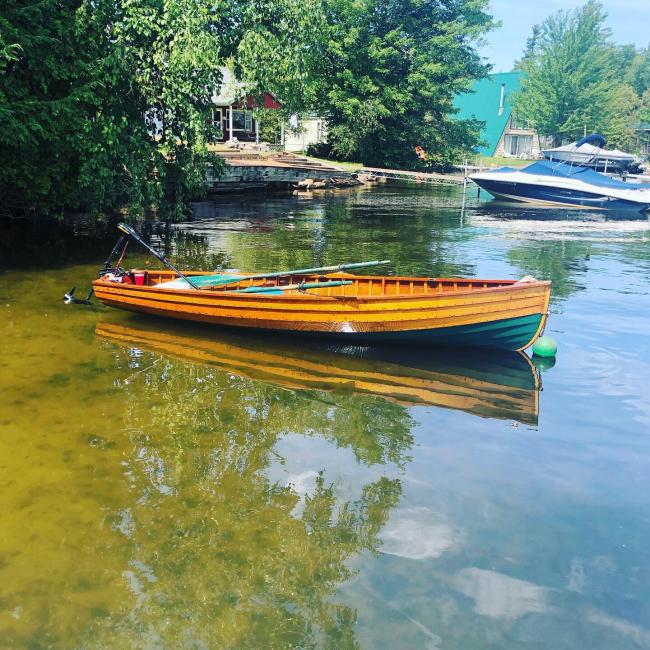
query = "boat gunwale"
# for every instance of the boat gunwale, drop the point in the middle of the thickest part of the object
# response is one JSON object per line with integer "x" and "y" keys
{"x": 502, "y": 286}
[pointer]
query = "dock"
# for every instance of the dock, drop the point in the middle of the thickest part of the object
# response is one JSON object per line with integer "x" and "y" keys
{"x": 412, "y": 177}
{"x": 252, "y": 170}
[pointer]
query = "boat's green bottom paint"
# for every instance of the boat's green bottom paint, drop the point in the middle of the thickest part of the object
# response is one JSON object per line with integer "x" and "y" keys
{"x": 505, "y": 334}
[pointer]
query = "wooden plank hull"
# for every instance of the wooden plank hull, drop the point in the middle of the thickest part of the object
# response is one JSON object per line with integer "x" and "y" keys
{"x": 503, "y": 385}
{"x": 500, "y": 314}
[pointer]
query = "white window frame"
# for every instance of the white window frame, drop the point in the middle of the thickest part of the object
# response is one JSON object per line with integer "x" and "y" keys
{"x": 248, "y": 119}
{"x": 519, "y": 150}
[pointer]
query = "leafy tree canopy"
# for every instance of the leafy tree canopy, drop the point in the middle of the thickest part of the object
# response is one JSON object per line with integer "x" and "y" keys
{"x": 576, "y": 80}
{"x": 638, "y": 73}
{"x": 103, "y": 103}
{"x": 389, "y": 72}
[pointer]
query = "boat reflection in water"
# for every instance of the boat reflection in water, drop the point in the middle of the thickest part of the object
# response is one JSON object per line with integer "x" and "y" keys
{"x": 502, "y": 385}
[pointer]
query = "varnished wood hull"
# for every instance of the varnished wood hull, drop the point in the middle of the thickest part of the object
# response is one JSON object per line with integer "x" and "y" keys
{"x": 498, "y": 314}
{"x": 503, "y": 385}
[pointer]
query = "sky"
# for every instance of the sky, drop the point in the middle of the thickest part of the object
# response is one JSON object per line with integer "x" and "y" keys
{"x": 628, "y": 20}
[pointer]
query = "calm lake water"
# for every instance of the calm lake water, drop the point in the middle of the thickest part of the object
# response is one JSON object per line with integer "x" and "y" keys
{"x": 172, "y": 487}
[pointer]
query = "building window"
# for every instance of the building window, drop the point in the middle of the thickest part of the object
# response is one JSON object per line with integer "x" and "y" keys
{"x": 518, "y": 145}
{"x": 214, "y": 121}
{"x": 242, "y": 120}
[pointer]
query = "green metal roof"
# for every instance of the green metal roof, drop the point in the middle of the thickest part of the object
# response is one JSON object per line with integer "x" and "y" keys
{"x": 482, "y": 103}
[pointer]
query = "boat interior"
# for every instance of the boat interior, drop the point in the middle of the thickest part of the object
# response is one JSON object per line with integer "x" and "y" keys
{"x": 355, "y": 285}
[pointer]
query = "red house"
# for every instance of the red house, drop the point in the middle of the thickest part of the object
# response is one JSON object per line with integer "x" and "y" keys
{"x": 233, "y": 110}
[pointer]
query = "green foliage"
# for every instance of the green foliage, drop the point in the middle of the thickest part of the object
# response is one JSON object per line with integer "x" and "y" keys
{"x": 103, "y": 103}
{"x": 644, "y": 109}
{"x": 389, "y": 71}
{"x": 575, "y": 80}
{"x": 276, "y": 46}
{"x": 638, "y": 73}
{"x": 86, "y": 86}
{"x": 569, "y": 73}
{"x": 269, "y": 121}
{"x": 622, "y": 118}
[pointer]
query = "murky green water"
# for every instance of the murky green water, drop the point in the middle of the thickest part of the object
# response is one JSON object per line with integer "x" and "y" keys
{"x": 173, "y": 487}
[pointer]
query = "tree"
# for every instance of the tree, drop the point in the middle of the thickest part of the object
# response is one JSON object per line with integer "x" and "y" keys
{"x": 103, "y": 103}
{"x": 644, "y": 110}
{"x": 638, "y": 72}
{"x": 277, "y": 47}
{"x": 570, "y": 72}
{"x": 389, "y": 72}
{"x": 623, "y": 117}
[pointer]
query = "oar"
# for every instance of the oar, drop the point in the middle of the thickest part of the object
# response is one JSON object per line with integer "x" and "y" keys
{"x": 301, "y": 286}
{"x": 125, "y": 228}
{"x": 220, "y": 280}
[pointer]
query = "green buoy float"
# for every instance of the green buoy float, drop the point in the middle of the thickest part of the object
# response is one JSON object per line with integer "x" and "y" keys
{"x": 545, "y": 347}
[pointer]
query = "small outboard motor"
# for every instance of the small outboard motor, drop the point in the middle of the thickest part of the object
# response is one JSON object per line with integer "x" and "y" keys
{"x": 70, "y": 299}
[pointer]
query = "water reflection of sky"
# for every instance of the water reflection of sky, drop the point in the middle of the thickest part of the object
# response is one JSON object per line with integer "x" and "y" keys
{"x": 508, "y": 536}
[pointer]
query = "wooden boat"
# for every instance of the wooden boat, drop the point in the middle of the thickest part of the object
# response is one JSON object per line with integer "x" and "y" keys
{"x": 489, "y": 383}
{"x": 502, "y": 314}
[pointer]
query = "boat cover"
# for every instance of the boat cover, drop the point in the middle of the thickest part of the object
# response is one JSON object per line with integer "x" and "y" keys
{"x": 585, "y": 174}
{"x": 590, "y": 150}
{"x": 595, "y": 138}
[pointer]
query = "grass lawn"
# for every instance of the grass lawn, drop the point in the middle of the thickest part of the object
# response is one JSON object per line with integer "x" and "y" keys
{"x": 498, "y": 161}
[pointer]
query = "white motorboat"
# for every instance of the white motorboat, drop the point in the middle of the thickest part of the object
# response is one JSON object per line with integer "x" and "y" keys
{"x": 554, "y": 183}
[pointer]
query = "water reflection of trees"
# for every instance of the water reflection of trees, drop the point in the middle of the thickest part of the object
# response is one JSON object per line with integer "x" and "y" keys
{"x": 188, "y": 249}
{"x": 220, "y": 554}
{"x": 563, "y": 262}
{"x": 33, "y": 243}
{"x": 416, "y": 239}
